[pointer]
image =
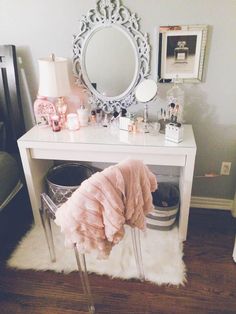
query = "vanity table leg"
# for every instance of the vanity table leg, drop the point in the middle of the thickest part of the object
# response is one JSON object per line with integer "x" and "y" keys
{"x": 185, "y": 187}
{"x": 34, "y": 170}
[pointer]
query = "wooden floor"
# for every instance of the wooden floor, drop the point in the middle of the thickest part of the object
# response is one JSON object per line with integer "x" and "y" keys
{"x": 211, "y": 286}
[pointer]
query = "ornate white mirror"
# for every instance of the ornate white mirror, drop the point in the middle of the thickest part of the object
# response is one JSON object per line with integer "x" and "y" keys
{"x": 110, "y": 55}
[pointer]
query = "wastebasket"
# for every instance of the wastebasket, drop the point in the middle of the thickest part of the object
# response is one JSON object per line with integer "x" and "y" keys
{"x": 64, "y": 179}
{"x": 166, "y": 206}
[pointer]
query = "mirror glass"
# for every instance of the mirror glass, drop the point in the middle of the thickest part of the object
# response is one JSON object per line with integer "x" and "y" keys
{"x": 110, "y": 61}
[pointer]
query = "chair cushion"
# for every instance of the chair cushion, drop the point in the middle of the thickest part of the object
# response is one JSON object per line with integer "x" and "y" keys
{"x": 9, "y": 175}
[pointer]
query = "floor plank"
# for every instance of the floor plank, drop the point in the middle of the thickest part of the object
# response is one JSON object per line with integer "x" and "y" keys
{"x": 211, "y": 275}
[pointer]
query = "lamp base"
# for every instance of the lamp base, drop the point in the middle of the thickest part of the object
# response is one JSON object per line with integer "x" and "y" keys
{"x": 43, "y": 110}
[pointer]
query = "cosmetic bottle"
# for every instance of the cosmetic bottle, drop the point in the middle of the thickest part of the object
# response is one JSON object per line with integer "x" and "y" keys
{"x": 61, "y": 107}
{"x": 105, "y": 121}
{"x": 93, "y": 118}
{"x": 99, "y": 116}
{"x": 114, "y": 122}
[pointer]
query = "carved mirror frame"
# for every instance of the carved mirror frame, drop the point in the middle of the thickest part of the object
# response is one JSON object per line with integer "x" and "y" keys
{"x": 111, "y": 13}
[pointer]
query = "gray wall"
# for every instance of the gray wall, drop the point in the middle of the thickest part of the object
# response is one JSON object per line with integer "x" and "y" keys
{"x": 38, "y": 28}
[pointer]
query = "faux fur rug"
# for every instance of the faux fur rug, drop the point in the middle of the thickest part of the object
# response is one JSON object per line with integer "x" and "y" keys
{"x": 161, "y": 250}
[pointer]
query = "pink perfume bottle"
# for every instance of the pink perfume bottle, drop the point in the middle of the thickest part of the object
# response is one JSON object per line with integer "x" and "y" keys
{"x": 61, "y": 110}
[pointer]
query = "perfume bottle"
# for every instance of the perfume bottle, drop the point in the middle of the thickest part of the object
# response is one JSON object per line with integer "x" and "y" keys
{"x": 181, "y": 52}
{"x": 99, "y": 116}
{"x": 93, "y": 117}
{"x": 61, "y": 110}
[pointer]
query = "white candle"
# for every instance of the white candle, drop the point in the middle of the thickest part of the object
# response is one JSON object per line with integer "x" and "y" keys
{"x": 72, "y": 121}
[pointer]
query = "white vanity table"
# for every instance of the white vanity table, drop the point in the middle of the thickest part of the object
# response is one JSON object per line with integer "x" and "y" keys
{"x": 39, "y": 147}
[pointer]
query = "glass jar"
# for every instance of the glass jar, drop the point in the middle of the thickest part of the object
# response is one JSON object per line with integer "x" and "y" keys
{"x": 72, "y": 122}
{"x": 55, "y": 122}
{"x": 83, "y": 114}
{"x": 175, "y": 101}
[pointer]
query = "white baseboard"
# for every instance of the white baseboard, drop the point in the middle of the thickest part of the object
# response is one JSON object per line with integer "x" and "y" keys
{"x": 234, "y": 214}
{"x": 212, "y": 203}
{"x": 234, "y": 251}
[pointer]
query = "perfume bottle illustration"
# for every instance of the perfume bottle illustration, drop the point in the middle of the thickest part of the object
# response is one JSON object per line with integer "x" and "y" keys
{"x": 181, "y": 52}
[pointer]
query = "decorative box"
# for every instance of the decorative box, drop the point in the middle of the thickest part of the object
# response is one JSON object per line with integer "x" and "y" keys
{"x": 174, "y": 132}
{"x": 124, "y": 123}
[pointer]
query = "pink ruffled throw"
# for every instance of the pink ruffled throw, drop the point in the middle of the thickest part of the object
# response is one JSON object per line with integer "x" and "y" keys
{"x": 94, "y": 216}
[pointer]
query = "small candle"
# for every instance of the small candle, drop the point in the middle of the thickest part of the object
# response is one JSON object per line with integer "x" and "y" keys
{"x": 72, "y": 121}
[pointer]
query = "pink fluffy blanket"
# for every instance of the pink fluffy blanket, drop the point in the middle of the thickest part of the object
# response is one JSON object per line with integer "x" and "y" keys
{"x": 94, "y": 216}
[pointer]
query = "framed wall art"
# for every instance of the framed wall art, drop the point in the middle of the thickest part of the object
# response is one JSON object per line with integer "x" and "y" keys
{"x": 181, "y": 52}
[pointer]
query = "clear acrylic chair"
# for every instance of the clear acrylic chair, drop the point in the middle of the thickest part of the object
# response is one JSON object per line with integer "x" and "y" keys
{"x": 47, "y": 212}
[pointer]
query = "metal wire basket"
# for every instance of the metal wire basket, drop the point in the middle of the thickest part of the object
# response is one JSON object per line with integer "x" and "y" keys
{"x": 64, "y": 179}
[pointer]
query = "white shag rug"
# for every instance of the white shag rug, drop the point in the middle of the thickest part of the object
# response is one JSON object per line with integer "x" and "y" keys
{"x": 162, "y": 254}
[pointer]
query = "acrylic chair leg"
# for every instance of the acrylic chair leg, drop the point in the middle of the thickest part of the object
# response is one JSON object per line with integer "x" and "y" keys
{"x": 135, "y": 233}
{"x": 81, "y": 263}
{"x": 46, "y": 222}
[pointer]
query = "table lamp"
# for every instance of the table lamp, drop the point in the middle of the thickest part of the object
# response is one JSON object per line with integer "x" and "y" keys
{"x": 145, "y": 92}
{"x": 53, "y": 82}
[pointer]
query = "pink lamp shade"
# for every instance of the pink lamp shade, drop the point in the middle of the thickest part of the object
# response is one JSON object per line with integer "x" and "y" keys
{"x": 53, "y": 77}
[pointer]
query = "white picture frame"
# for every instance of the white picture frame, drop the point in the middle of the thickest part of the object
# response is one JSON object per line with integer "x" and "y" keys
{"x": 181, "y": 52}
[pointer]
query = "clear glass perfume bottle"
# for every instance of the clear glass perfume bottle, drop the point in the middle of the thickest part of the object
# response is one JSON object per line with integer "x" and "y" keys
{"x": 181, "y": 52}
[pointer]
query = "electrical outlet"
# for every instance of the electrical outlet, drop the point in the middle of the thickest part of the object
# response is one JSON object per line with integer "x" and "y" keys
{"x": 225, "y": 168}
